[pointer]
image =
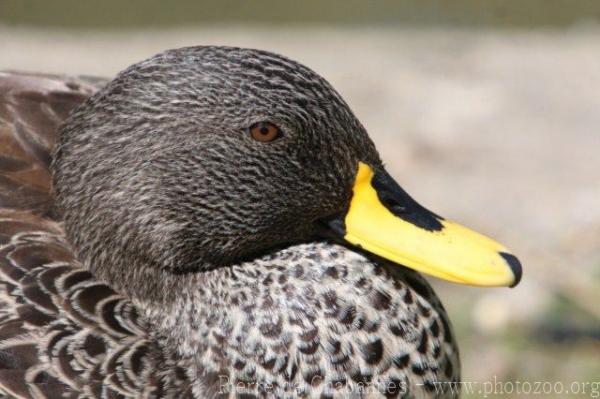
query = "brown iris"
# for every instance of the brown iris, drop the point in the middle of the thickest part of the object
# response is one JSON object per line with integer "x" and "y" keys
{"x": 264, "y": 132}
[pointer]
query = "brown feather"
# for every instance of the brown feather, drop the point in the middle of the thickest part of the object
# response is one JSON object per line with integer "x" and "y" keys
{"x": 61, "y": 330}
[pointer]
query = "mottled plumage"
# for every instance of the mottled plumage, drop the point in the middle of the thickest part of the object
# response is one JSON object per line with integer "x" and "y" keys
{"x": 179, "y": 258}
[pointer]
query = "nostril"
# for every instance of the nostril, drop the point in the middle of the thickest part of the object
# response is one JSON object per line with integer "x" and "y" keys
{"x": 514, "y": 265}
{"x": 398, "y": 209}
{"x": 399, "y": 203}
{"x": 392, "y": 204}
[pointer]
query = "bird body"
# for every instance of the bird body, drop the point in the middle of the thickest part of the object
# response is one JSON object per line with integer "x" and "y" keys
{"x": 182, "y": 253}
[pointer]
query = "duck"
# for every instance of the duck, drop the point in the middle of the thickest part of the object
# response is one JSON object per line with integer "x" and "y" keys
{"x": 215, "y": 222}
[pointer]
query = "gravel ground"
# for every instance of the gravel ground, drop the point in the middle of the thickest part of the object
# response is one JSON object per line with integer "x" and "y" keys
{"x": 495, "y": 129}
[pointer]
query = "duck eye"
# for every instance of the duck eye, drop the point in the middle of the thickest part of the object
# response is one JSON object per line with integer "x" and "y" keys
{"x": 264, "y": 132}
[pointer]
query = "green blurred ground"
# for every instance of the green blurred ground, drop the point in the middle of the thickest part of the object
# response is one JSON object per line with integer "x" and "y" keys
{"x": 157, "y": 13}
{"x": 489, "y": 118}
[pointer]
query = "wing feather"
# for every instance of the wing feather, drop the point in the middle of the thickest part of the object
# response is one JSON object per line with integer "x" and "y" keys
{"x": 63, "y": 333}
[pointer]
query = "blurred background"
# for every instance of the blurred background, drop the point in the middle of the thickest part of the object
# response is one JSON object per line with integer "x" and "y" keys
{"x": 487, "y": 112}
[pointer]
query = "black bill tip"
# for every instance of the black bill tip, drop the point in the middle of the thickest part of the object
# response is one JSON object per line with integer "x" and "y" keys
{"x": 514, "y": 265}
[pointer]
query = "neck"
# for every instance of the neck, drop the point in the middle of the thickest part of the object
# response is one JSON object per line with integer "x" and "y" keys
{"x": 237, "y": 322}
{"x": 311, "y": 311}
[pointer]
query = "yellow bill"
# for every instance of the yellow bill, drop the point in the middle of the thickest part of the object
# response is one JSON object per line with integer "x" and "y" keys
{"x": 384, "y": 220}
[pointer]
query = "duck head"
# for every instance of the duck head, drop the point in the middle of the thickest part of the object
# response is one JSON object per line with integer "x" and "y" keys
{"x": 201, "y": 157}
